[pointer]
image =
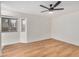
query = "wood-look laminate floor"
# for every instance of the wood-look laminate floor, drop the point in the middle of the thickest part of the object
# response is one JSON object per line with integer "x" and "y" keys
{"x": 43, "y": 48}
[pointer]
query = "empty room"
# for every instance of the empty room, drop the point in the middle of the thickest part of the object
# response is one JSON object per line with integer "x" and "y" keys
{"x": 39, "y": 28}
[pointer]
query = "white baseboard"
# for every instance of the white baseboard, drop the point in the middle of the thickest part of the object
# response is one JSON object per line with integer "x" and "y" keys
{"x": 23, "y": 41}
{"x": 38, "y": 39}
{"x": 4, "y": 44}
{"x": 64, "y": 40}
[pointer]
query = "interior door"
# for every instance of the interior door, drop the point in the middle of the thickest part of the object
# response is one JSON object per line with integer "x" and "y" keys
{"x": 23, "y": 30}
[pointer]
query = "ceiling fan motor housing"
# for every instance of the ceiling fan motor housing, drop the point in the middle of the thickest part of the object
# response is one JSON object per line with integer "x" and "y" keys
{"x": 50, "y": 5}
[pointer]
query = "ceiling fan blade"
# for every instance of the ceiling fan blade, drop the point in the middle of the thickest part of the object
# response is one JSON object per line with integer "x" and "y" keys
{"x": 44, "y": 11}
{"x": 57, "y": 4}
{"x": 44, "y": 6}
{"x": 59, "y": 9}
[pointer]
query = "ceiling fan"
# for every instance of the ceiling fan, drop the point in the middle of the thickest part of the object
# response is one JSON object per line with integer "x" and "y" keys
{"x": 52, "y": 8}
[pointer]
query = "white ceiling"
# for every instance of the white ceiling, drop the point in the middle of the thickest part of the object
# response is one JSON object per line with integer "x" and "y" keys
{"x": 33, "y": 7}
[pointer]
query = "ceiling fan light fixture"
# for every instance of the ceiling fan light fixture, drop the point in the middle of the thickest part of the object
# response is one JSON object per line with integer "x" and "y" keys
{"x": 50, "y": 12}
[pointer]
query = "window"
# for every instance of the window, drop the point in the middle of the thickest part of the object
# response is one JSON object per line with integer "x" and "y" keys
{"x": 9, "y": 24}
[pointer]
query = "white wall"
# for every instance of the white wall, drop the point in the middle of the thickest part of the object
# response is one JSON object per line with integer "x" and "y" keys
{"x": 66, "y": 28}
{"x": 9, "y": 38}
{"x": 38, "y": 28}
